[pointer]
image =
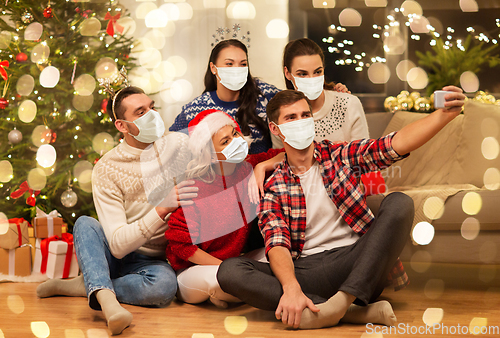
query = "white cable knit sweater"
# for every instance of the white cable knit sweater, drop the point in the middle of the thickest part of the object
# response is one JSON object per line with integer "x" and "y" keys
{"x": 127, "y": 184}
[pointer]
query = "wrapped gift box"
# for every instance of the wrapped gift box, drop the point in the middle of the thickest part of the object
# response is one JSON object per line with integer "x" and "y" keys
{"x": 37, "y": 262}
{"x": 16, "y": 235}
{"x": 16, "y": 262}
{"x": 46, "y": 227}
{"x": 58, "y": 258}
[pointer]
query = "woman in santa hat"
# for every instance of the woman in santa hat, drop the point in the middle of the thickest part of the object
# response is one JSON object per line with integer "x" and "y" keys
{"x": 218, "y": 224}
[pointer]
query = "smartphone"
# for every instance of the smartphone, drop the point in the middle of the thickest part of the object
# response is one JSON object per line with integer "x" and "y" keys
{"x": 439, "y": 98}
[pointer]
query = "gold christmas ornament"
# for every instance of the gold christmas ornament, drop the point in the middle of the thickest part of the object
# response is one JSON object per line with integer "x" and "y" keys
{"x": 389, "y": 102}
{"x": 490, "y": 99}
{"x": 414, "y": 95}
{"x": 403, "y": 94}
{"x": 406, "y": 103}
{"x": 422, "y": 104}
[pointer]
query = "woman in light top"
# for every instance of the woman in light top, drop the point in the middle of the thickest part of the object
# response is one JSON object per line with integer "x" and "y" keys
{"x": 338, "y": 116}
{"x": 230, "y": 87}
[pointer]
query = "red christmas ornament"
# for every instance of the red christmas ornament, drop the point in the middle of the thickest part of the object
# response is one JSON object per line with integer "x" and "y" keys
{"x": 3, "y": 103}
{"x": 54, "y": 137}
{"x": 21, "y": 57}
{"x": 96, "y": 160}
{"x": 104, "y": 103}
{"x": 47, "y": 12}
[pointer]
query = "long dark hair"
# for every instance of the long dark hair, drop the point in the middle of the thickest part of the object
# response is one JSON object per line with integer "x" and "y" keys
{"x": 249, "y": 94}
{"x": 301, "y": 47}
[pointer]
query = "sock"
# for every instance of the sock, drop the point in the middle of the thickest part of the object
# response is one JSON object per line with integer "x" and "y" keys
{"x": 377, "y": 313}
{"x": 62, "y": 287}
{"x": 117, "y": 317}
{"x": 330, "y": 312}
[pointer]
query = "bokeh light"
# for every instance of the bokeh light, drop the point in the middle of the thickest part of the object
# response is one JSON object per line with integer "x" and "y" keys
{"x": 73, "y": 333}
{"x": 491, "y": 179}
{"x": 150, "y": 58}
{"x": 129, "y": 26}
{"x": 84, "y": 84}
{"x": 171, "y": 10}
{"x": 143, "y": 9}
{"x": 90, "y": 27}
{"x": 421, "y": 261}
{"x": 350, "y": 17}
{"x": 102, "y": 143}
{"x": 166, "y": 70}
{"x": 433, "y": 316}
{"x": 47, "y": 171}
{"x": 214, "y": 3}
{"x": 379, "y": 73}
{"x": 41, "y": 135}
{"x": 25, "y": 85}
{"x": 106, "y": 68}
{"x": 169, "y": 29}
{"x": 80, "y": 168}
{"x": 434, "y": 288}
{"x": 394, "y": 44}
{"x": 15, "y": 304}
{"x": 235, "y": 325}
{"x": 470, "y": 228}
{"x": 417, "y": 78}
{"x": 241, "y": 10}
{"x": 411, "y": 7}
{"x": 403, "y": 68}
{"x": 37, "y": 179}
{"x": 5, "y": 39}
{"x": 33, "y": 32}
{"x": 490, "y": 148}
{"x": 46, "y": 155}
{"x": 139, "y": 77}
{"x": 4, "y": 224}
{"x": 472, "y": 203}
{"x": 179, "y": 63}
{"x": 469, "y": 82}
{"x": 478, "y": 326}
{"x": 185, "y": 11}
{"x": 376, "y": 3}
{"x": 277, "y": 29}
{"x": 324, "y": 3}
{"x": 156, "y": 37}
{"x": 49, "y": 77}
{"x": 423, "y": 233}
{"x": 40, "y": 53}
{"x": 27, "y": 111}
{"x": 83, "y": 103}
{"x": 97, "y": 333}
{"x": 419, "y": 24}
{"x": 181, "y": 90}
{"x": 437, "y": 24}
{"x": 156, "y": 18}
{"x": 434, "y": 207}
{"x": 469, "y": 6}
{"x": 488, "y": 252}
{"x": 40, "y": 329}
{"x": 6, "y": 171}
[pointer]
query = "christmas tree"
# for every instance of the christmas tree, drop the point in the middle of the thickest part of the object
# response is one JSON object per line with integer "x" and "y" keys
{"x": 53, "y": 122}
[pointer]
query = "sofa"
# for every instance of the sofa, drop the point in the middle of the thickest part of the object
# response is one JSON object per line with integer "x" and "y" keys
{"x": 454, "y": 180}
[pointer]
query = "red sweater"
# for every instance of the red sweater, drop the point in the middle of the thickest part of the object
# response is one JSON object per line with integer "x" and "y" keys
{"x": 219, "y": 220}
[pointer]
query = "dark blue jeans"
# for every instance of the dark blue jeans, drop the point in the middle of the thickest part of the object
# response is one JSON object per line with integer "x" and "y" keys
{"x": 359, "y": 269}
{"x": 135, "y": 279}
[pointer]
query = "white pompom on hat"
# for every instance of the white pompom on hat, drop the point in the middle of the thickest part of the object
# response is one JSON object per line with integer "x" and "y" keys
{"x": 205, "y": 125}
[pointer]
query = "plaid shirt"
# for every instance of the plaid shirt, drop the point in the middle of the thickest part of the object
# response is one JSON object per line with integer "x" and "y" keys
{"x": 282, "y": 216}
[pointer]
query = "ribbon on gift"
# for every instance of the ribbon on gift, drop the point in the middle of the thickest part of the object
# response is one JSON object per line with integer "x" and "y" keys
{"x": 31, "y": 200}
{"x": 3, "y": 72}
{"x": 18, "y": 222}
{"x": 50, "y": 219}
{"x": 44, "y": 248}
{"x": 110, "y": 29}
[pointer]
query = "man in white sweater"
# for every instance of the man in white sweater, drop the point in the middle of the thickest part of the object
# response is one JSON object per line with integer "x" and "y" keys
{"x": 134, "y": 186}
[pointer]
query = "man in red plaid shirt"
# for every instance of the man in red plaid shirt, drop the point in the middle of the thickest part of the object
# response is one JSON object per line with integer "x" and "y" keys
{"x": 326, "y": 249}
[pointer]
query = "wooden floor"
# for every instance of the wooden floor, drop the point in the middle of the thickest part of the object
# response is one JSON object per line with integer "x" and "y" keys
{"x": 462, "y": 292}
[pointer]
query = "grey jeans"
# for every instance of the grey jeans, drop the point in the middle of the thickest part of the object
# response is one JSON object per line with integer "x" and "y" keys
{"x": 360, "y": 269}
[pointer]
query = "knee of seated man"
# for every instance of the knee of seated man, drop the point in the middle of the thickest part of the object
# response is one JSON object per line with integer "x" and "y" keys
{"x": 83, "y": 223}
{"x": 229, "y": 271}
{"x": 401, "y": 201}
{"x": 161, "y": 291}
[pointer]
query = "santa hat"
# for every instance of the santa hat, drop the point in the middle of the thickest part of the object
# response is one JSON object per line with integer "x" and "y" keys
{"x": 205, "y": 125}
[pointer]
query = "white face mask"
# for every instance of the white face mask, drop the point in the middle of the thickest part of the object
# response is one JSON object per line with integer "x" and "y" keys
{"x": 150, "y": 125}
{"x": 312, "y": 87}
{"x": 236, "y": 151}
{"x": 233, "y": 78}
{"x": 298, "y": 134}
